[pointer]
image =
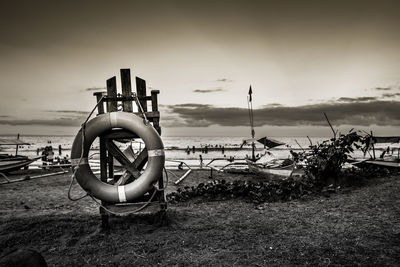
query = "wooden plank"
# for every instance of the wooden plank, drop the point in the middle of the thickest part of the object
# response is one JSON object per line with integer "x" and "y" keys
{"x": 154, "y": 107}
{"x": 126, "y": 89}
{"x": 149, "y": 114}
{"x": 110, "y": 162}
{"x": 117, "y": 153}
{"x": 100, "y": 106}
{"x": 127, "y": 208}
{"x": 140, "y": 160}
{"x": 141, "y": 92}
{"x": 125, "y": 98}
{"x": 138, "y": 165}
{"x": 154, "y": 100}
{"x": 120, "y": 134}
{"x": 112, "y": 92}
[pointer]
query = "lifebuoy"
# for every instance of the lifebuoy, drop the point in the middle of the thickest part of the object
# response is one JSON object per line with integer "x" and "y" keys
{"x": 101, "y": 124}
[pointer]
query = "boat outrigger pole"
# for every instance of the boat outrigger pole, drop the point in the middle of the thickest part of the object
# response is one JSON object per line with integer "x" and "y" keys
{"x": 251, "y": 117}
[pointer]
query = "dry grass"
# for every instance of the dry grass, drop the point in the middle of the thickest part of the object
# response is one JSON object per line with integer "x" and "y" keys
{"x": 358, "y": 227}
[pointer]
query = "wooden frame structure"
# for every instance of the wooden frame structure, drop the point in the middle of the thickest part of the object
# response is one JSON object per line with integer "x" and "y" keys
{"x": 110, "y": 151}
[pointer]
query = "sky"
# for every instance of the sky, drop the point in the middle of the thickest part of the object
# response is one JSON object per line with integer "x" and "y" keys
{"x": 302, "y": 58}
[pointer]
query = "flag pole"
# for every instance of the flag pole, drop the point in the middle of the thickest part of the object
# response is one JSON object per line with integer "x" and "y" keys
{"x": 250, "y": 107}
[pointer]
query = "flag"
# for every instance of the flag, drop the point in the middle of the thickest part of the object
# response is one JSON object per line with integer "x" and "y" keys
{"x": 250, "y": 92}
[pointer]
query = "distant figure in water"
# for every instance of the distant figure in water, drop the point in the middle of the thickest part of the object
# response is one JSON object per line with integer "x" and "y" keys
{"x": 201, "y": 162}
{"x": 188, "y": 150}
{"x": 59, "y": 150}
{"x": 223, "y": 149}
{"x": 45, "y": 153}
{"x": 193, "y": 149}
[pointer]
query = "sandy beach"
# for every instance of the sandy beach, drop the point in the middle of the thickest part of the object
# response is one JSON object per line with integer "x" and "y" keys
{"x": 356, "y": 226}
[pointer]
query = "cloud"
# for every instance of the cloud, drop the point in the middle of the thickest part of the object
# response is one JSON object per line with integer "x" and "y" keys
{"x": 224, "y": 80}
{"x": 390, "y": 95}
{"x": 357, "y": 99}
{"x": 348, "y": 113}
{"x": 62, "y": 121}
{"x": 273, "y": 105}
{"x": 52, "y": 118}
{"x": 363, "y": 113}
{"x": 383, "y": 88}
{"x": 218, "y": 89}
{"x": 96, "y": 89}
{"x": 73, "y": 112}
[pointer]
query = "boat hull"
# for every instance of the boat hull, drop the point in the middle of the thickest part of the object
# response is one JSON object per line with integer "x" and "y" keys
{"x": 15, "y": 163}
{"x": 381, "y": 163}
{"x": 275, "y": 173}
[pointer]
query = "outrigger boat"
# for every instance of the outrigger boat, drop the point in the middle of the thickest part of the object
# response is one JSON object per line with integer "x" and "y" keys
{"x": 9, "y": 163}
{"x": 273, "y": 168}
{"x": 384, "y": 160}
{"x": 276, "y": 169}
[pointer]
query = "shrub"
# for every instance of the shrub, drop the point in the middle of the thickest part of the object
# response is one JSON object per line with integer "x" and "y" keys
{"x": 324, "y": 161}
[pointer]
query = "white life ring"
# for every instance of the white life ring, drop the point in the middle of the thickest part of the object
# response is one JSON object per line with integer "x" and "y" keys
{"x": 98, "y": 126}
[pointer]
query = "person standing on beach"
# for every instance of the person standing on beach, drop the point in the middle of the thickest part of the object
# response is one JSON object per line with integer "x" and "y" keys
{"x": 59, "y": 150}
{"x": 44, "y": 157}
{"x": 50, "y": 156}
{"x": 201, "y": 162}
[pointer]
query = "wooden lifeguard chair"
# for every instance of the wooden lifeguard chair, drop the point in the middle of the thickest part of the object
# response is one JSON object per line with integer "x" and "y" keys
{"x": 154, "y": 201}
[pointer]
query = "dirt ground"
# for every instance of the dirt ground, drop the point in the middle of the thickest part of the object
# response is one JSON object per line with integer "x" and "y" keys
{"x": 357, "y": 226}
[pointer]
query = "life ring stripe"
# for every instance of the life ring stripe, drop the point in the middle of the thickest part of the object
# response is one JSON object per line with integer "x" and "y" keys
{"x": 121, "y": 193}
{"x": 155, "y": 153}
{"x": 113, "y": 119}
{"x": 79, "y": 161}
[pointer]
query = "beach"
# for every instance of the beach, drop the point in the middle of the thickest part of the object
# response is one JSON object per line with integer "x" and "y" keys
{"x": 355, "y": 226}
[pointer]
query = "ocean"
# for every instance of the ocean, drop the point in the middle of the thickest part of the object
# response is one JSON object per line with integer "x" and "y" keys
{"x": 176, "y": 148}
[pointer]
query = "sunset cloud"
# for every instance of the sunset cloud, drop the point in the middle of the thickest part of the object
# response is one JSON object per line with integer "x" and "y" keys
{"x": 95, "y": 89}
{"x": 357, "y": 99}
{"x": 218, "y": 89}
{"x": 391, "y": 95}
{"x": 224, "y": 80}
{"x": 383, "y": 88}
{"x": 349, "y": 113}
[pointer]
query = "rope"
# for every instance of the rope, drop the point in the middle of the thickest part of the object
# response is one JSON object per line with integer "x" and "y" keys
{"x": 141, "y": 207}
{"x": 83, "y": 127}
{"x": 145, "y": 120}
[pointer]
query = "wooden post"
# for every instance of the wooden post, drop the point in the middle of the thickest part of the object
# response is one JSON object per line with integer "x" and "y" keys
{"x": 373, "y": 146}
{"x": 111, "y": 93}
{"x": 154, "y": 107}
{"x": 103, "y": 178}
{"x": 126, "y": 89}
{"x": 103, "y": 150}
{"x": 107, "y": 157}
{"x": 141, "y": 92}
{"x": 16, "y": 149}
